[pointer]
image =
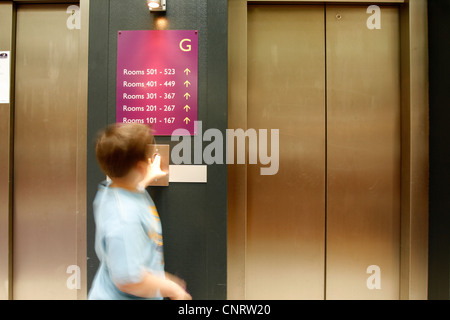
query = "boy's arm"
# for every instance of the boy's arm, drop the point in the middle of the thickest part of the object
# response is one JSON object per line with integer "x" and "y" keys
{"x": 150, "y": 285}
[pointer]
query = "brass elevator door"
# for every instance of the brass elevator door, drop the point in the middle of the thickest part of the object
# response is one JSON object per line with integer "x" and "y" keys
{"x": 286, "y": 211}
{"x": 327, "y": 225}
{"x": 47, "y": 103}
{"x": 363, "y": 154}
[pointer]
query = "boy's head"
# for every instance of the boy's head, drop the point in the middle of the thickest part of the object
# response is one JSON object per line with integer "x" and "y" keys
{"x": 121, "y": 146}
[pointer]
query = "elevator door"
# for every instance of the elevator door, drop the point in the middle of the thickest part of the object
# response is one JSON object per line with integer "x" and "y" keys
{"x": 327, "y": 225}
{"x": 363, "y": 153}
{"x": 45, "y": 154}
{"x": 286, "y": 211}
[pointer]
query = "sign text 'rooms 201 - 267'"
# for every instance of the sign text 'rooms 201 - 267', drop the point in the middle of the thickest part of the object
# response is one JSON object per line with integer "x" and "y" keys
{"x": 157, "y": 79}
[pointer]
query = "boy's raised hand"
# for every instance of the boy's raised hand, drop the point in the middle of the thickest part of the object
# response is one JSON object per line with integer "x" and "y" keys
{"x": 154, "y": 171}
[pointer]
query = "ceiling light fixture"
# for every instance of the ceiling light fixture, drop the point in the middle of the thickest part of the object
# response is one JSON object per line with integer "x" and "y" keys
{"x": 156, "y": 5}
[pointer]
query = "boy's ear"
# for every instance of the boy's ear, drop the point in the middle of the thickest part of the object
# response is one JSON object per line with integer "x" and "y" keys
{"x": 141, "y": 166}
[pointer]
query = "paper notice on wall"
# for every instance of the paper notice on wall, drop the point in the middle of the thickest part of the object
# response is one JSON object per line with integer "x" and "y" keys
{"x": 5, "y": 76}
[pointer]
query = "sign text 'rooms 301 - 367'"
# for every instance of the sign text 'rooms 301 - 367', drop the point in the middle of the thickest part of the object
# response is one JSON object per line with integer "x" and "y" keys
{"x": 157, "y": 79}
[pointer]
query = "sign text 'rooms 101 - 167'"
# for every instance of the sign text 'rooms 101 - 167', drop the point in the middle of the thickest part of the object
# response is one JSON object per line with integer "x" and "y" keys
{"x": 157, "y": 79}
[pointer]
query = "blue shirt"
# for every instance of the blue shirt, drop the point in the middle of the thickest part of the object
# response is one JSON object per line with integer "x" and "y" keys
{"x": 128, "y": 241}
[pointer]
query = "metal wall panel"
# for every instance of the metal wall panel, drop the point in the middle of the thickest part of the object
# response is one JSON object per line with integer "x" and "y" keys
{"x": 286, "y": 211}
{"x": 363, "y": 154}
{"x": 45, "y": 155}
{"x": 6, "y": 23}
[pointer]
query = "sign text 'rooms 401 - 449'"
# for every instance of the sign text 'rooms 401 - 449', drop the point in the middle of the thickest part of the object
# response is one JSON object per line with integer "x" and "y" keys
{"x": 157, "y": 79}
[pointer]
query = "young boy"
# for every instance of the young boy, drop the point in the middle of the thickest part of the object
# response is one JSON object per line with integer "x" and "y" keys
{"x": 128, "y": 239}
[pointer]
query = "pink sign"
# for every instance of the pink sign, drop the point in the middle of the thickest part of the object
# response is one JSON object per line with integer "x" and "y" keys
{"x": 157, "y": 79}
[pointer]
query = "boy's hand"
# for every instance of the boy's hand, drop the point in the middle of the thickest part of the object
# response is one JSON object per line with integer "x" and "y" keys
{"x": 176, "y": 279}
{"x": 154, "y": 171}
{"x": 155, "y": 168}
{"x": 178, "y": 292}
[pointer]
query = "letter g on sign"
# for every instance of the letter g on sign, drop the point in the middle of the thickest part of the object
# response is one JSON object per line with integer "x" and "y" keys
{"x": 186, "y": 47}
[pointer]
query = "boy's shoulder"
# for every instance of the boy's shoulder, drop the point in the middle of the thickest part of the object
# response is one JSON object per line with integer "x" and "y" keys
{"x": 119, "y": 205}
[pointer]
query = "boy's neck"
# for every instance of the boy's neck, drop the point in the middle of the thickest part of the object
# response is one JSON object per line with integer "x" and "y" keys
{"x": 124, "y": 184}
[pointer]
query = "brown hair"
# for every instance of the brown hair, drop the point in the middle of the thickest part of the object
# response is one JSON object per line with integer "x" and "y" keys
{"x": 120, "y": 147}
